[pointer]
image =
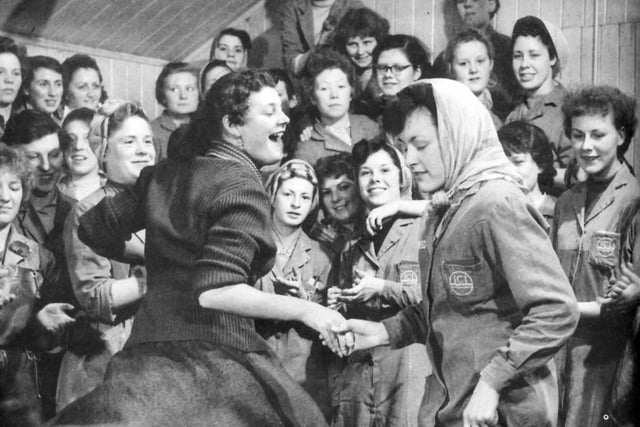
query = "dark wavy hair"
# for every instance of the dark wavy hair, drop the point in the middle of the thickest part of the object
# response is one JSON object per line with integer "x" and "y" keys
{"x": 14, "y": 161}
{"x": 8, "y": 45}
{"x": 321, "y": 59}
{"x": 28, "y": 126}
{"x": 82, "y": 114}
{"x": 602, "y": 101}
{"x": 34, "y": 63}
{"x": 521, "y": 137}
{"x": 228, "y": 96}
{"x": 335, "y": 166}
{"x": 73, "y": 64}
{"x": 531, "y": 26}
{"x": 363, "y": 149}
{"x": 408, "y": 100}
{"x": 168, "y": 70}
{"x": 242, "y": 35}
{"x": 417, "y": 53}
{"x": 362, "y": 22}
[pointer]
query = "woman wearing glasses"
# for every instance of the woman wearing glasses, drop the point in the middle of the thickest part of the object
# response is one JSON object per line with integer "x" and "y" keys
{"x": 399, "y": 60}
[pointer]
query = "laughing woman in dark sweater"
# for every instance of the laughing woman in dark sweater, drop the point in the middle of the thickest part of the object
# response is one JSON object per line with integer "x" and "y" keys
{"x": 194, "y": 356}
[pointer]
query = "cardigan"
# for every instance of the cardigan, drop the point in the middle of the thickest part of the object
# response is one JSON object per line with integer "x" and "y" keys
{"x": 207, "y": 226}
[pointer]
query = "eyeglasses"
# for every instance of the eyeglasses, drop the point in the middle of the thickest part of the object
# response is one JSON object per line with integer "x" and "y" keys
{"x": 396, "y": 69}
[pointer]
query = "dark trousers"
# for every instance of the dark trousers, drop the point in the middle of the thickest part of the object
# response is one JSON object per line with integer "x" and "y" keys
{"x": 48, "y": 369}
{"x": 19, "y": 400}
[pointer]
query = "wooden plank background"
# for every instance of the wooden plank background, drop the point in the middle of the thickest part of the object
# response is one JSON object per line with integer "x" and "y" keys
{"x": 604, "y": 35}
{"x": 125, "y": 76}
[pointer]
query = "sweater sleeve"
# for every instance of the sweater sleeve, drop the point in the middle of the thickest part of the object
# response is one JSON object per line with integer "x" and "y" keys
{"x": 238, "y": 247}
{"x": 107, "y": 226}
{"x": 407, "y": 327}
{"x": 539, "y": 288}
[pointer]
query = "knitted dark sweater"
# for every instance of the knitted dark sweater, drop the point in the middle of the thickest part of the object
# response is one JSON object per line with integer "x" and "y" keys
{"x": 207, "y": 226}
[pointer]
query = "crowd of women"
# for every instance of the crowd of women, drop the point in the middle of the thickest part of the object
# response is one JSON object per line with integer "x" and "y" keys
{"x": 364, "y": 237}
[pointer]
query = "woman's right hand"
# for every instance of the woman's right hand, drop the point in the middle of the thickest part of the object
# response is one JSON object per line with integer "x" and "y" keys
{"x": 324, "y": 320}
{"x": 360, "y": 335}
{"x": 378, "y": 216}
{"x": 305, "y": 135}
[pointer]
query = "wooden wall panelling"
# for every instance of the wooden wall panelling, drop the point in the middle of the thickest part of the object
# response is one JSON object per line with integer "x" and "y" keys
{"x": 573, "y": 13}
{"x": 614, "y": 11}
{"x": 626, "y": 75}
{"x": 57, "y": 24}
{"x": 404, "y": 17}
{"x": 386, "y": 9}
{"x": 424, "y": 22}
{"x": 445, "y": 21}
{"x": 506, "y": 17}
{"x": 528, "y": 7}
{"x": 586, "y": 55}
{"x": 608, "y": 55}
{"x": 549, "y": 11}
{"x": 571, "y": 72}
{"x": 633, "y": 11}
{"x": 135, "y": 31}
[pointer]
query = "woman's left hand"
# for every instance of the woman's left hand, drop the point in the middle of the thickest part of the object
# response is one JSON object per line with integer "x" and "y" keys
{"x": 292, "y": 287}
{"x": 365, "y": 287}
{"x": 625, "y": 293}
{"x": 54, "y": 318}
{"x": 482, "y": 409}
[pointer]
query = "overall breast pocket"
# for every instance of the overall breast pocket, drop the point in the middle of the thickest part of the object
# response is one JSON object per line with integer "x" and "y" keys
{"x": 466, "y": 281}
{"x": 604, "y": 247}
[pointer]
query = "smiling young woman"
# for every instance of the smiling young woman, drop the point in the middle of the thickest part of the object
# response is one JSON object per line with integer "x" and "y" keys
{"x": 208, "y": 239}
{"x": 601, "y": 122}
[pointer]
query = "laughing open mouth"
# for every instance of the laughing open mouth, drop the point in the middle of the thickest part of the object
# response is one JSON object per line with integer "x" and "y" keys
{"x": 276, "y": 137}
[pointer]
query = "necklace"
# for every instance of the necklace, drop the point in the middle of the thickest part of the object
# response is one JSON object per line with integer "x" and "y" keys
{"x": 285, "y": 245}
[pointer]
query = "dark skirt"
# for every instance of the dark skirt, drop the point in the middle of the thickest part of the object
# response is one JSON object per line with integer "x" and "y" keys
{"x": 195, "y": 383}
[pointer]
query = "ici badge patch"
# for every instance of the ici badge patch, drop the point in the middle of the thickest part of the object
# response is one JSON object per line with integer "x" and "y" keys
{"x": 461, "y": 283}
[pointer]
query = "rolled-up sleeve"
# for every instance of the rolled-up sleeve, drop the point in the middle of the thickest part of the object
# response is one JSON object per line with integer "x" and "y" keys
{"x": 90, "y": 273}
{"x": 519, "y": 249}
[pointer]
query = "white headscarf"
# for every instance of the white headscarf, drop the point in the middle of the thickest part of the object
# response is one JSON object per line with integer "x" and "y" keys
{"x": 470, "y": 148}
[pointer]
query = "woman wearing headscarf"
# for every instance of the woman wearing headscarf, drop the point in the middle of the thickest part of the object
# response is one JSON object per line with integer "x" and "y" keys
{"x": 107, "y": 290}
{"x": 497, "y": 305}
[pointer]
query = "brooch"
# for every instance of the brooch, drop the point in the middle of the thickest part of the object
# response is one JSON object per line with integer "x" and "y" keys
{"x": 20, "y": 248}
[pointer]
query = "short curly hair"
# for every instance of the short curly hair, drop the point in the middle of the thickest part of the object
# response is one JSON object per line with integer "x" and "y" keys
{"x": 228, "y": 96}
{"x": 321, "y": 59}
{"x": 14, "y": 161}
{"x": 361, "y": 22}
{"x": 335, "y": 166}
{"x": 602, "y": 101}
{"x": 521, "y": 137}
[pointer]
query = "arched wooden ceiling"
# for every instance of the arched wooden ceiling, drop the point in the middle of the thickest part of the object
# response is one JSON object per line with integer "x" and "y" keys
{"x": 163, "y": 29}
